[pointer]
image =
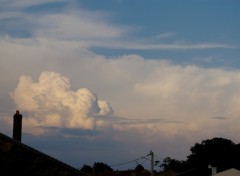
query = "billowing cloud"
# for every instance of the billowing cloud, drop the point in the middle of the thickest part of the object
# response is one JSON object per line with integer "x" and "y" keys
{"x": 138, "y": 88}
{"x": 51, "y": 102}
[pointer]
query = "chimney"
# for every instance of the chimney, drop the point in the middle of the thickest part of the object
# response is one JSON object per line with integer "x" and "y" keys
{"x": 213, "y": 170}
{"x": 17, "y": 126}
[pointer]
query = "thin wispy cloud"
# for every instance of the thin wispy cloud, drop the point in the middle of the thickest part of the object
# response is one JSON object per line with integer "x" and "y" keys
{"x": 148, "y": 46}
{"x": 139, "y": 121}
{"x": 26, "y": 3}
{"x": 92, "y": 29}
{"x": 166, "y": 35}
{"x": 219, "y": 118}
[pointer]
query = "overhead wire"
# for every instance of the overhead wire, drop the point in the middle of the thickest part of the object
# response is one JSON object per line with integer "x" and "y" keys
{"x": 158, "y": 156}
{"x": 143, "y": 161}
{"x": 135, "y": 160}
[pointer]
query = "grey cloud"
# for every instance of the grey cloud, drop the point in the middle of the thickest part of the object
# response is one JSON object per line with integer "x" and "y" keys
{"x": 80, "y": 132}
{"x": 139, "y": 121}
{"x": 219, "y": 118}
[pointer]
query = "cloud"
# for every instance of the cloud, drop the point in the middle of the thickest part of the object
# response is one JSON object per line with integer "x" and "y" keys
{"x": 166, "y": 35}
{"x": 91, "y": 29}
{"x": 52, "y": 103}
{"x": 219, "y": 118}
{"x": 162, "y": 46}
{"x": 138, "y": 88}
{"x": 76, "y": 26}
{"x": 80, "y": 132}
{"x": 105, "y": 108}
{"x": 26, "y": 3}
{"x": 70, "y": 23}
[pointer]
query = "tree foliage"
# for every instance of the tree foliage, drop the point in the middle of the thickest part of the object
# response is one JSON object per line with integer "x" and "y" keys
{"x": 139, "y": 168}
{"x": 217, "y": 152}
{"x": 173, "y": 164}
{"x": 97, "y": 168}
{"x": 88, "y": 170}
{"x": 100, "y": 167}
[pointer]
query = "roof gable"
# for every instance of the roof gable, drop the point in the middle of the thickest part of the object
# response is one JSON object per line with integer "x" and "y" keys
{"x": 229, "y": 172}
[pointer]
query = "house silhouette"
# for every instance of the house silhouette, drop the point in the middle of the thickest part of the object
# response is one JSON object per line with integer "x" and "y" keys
{"x": 17, "y": 158}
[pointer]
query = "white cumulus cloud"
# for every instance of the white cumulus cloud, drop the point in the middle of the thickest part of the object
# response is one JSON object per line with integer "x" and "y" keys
{"x": 51, "y": 102}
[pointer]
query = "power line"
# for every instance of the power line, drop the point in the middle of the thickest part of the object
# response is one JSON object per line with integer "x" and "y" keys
{"x": 143, "y": 161}
{"x": 146, "y": 158}
{"x": 158, "y": 156}
{"x": 143, "y": 157}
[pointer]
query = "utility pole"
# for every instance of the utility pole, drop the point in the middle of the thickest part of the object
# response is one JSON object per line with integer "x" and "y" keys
{"x": 152, "y": 163}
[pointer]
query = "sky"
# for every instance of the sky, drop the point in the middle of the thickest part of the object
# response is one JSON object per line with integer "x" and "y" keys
{"x": 111, "y": 80}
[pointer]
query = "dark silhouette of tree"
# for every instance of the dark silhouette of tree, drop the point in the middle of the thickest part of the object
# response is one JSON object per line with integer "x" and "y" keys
{"x": 88, "y": 170}
{"x": 139, "y": 168}
{"x": 173, "y": 164}
{"x": 100, "y": 167}
{"x": 217, "y": 152}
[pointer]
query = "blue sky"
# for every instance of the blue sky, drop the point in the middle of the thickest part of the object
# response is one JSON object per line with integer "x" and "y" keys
{"x": 108, "y": 81}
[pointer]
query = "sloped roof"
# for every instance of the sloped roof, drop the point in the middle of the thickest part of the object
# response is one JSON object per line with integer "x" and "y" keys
{"x": 18, "y": 158}
{"x": 229, "y": 172}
